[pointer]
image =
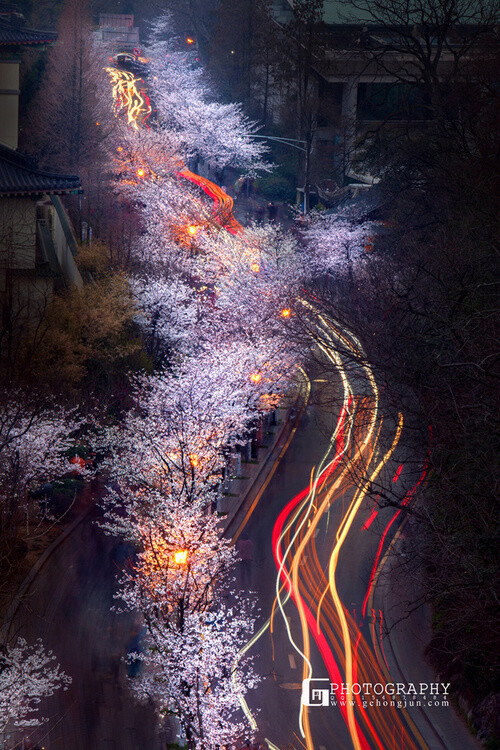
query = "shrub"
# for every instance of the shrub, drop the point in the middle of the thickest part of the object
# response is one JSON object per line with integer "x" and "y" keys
{"x": 276, "y": 188}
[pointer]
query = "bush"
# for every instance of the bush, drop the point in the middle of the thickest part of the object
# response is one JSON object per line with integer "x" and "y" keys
{"x": 86, "y": 335}
{"x": 276, "y": 188}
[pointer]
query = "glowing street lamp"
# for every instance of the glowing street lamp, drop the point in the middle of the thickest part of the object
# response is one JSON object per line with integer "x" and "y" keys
{"x": 189, "y": 40}
{"x": 192, "y": 229}
{"x": 140, "y": 172}
{"x": 285, "y": 313}
{"x": 255, "y": 377}
{"x": 181, "y": 556}
{"x": 255, "y": 267}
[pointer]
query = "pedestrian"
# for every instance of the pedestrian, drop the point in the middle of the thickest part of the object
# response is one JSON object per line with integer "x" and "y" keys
{"x": 272, "y": 211}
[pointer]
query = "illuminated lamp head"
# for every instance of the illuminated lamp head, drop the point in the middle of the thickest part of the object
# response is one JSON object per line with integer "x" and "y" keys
{"x": 255, "y": 267}
{"x": 181, "y": 556}
{"x": 255, "y": 377}
{"x": 189, "y": 40}
{"x": 192, "y": 229}
{"x": 140, "y": 172}
{"x": 285, "y": 313}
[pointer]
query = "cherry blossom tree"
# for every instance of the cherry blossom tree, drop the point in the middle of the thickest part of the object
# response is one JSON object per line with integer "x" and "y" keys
{"x": 338, "y": 243}
{"x": 190, "y": 656}
{"x": 214, "y": 301}
{"x": 33, "y": 441}
{"x": 167, "y": 313}
{"x": 185, "y": 100}
{"x": 197, "y": 674}
{"x": 180, "y": 554}
{"x": 27, "y": 675}
{"x": 174, "y": 440}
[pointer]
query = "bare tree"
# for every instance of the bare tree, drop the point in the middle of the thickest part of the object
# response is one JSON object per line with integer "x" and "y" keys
{"x": 424, "y": 42}
{"x": 304, "y": 41}
{"x": 71, "y": 118}
{"x": 246, "y": 54}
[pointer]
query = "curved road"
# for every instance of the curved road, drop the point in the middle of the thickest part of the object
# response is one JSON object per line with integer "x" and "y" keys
{"x": 320, "y": 546}
{"x": 69, "y": 603}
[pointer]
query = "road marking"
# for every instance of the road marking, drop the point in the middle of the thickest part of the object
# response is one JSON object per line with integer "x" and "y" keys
{"x": 291, "y": 659}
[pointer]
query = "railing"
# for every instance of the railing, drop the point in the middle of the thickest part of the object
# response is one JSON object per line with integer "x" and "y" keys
{"x": 65, "y": 244}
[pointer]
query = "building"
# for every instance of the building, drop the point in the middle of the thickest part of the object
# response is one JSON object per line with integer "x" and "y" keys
{"x": 370, "y": 74}
{"x": 13, "y": 38}
{"x": 117, "y": 31}
{"x": 37, "y": 242}
{"x": 365, "y": 80}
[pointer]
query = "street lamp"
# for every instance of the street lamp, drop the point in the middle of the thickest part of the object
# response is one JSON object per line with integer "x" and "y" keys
{"x": 181, "y": 557}
{"x": 255, "y": 377}
{"x": 285, "y": 313}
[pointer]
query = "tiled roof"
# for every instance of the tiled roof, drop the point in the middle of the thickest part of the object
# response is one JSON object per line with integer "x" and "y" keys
{"x": 19, "y": 176}
{"x": 11, "y": 34}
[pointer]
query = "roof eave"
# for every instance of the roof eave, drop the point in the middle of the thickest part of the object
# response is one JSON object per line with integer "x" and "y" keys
{"x": 49, "y": 191}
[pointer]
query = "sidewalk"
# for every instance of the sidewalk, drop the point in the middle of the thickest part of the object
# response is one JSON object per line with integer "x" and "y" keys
{"x": 79, "y": 512}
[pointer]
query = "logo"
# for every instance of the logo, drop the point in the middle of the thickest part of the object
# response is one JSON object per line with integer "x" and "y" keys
{"x": 314, "y": 694}
{"x": 379, "y": 694}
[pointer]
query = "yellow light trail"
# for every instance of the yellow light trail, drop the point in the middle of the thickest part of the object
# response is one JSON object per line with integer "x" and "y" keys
{"x": 306, "y": 584}
{"x": 129, "y": 97}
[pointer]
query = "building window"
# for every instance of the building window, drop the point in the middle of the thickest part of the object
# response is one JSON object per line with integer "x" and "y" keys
{"x": 390, "y": 101}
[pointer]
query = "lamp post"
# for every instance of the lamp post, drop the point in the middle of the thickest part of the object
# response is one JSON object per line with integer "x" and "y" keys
{"x": 181, "y": 557}
{"x": 305, "y": 147}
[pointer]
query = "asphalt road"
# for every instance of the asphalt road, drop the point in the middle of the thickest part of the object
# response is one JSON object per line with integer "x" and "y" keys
{"x": 276, "y": 701}
{"x": 376, "y": 657}
{"x": 69, "y": 606}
